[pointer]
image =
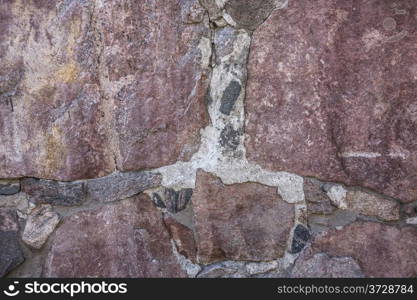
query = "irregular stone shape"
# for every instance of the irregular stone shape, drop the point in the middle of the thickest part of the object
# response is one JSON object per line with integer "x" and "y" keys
{"x": 40, "y": 223}
{"x": 261, "y": 267}
{"x": 9, "y": 187}
{"x": 230, "y": 95}
{"x": 85, "y": 86}
{"x": 301, "y": 237}
{"x": 51, "y": 110}
{"x": 55, "y": 192}
{"x": 183, "y": 238}
{"x": 335, "y": 99}
{"x": 316, "y": 199}
{"x": 230, "y": 138}
{"x": 156, "y": 72}
{"x": 337, "y": 195}
{"x": 174, "y": 201}
{"x": 18, "y": 201}
{"x": 121, "y": 185}
{"x": 247, "y": 221}
{"x": 226, "y": 269}
{"x": 126, "y": 239}
{"x": 11, "y": 254}
{"x": 321, "y": 265}
{"x": 409, "y": 210}
{"x": 372, "y": 205}
{"x": 381, "y": 250}
{"x": 340, "y": 218}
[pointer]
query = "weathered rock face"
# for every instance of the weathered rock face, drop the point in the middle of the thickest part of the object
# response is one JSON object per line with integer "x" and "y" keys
{"x": 331, "y": 93}
{"x": 245, "y": 221}
{"x": 11, "y": 254}
{"x": 84, "y": 83}
{"x": 127, "y": 239}
{"x": 380, "y": 250}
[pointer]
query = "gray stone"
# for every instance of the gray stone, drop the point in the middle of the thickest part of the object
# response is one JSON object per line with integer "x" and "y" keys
{"x": 230, "y": 95}
{"x": 121, "y": 185}
{"x": 301, "y": 237}
{"x": 9, "y": 187}
{"x": 40, "y": 223}
{"x": 54, "y": 192}
{"x": 226, "y": 269}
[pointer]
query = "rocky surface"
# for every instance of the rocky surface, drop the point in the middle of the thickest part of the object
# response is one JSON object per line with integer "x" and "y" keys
{"x": 245, "y": 221}
{"x": 127, "y": 239}
{"x": 331, "y": 93}
{"x": 11, "y": 254}
{"x": 9, "y": 187}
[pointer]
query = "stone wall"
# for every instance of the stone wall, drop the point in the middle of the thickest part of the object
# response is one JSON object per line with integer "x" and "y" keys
{"x": 208, "y": 138}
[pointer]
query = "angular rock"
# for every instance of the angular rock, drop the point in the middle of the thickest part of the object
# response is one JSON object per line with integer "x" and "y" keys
{"x": 245, "y": 221}
{"x": 9, "y": 187}
{"x": 380, "y": 250}
{"x": 18, "y": 201}
{"x": 52, "y": 192}
{"x": 301, "y": 237}
{"x": 226, "y": 269}
{"x": 11, "y": 254}
{"x": 126, "y": 239}
{"x": 331, "y": 93}
{"x": 321, "y": 265}
{"x": 174, "y": 201}
{"x": 316, "y": 199}
{"x": 121, "y": 185}
{"x": 156, "y": 72}
{"x": 183, "y": 238}
{"x": 40, "y": 224}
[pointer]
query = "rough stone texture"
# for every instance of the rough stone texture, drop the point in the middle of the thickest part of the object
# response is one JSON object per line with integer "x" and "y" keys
{"x": 54, "y": 192}
{"x": 40, "y": 223}
{"x": 183, "y": 238}
{"x": 301, "y": 237}
{"x": 11, "y": 254}
{"x": 127, "y": 239}
{"x": 316, "y": 198}
{"x": 331, "y": 93}
{"x": 121, "y": 185}
{"x": 88, "y": 84}
{"x": 174, "y": 201}
{"x": 380, "y": 250}
{"x": 9, "y": 187}
{"x": 155, "y": 71}
{"x": 321, "y": 265}
{"x": 245, "y": 221}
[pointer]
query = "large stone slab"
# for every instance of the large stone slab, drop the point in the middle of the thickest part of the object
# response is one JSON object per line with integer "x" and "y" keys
{"x": 87, "y": 87}
{"x": 380, "y": 250}
{"x": 246, "y": 221}
{"x": 127, "y": 239}
{"x": 11, "y": 254}
{"x": 331, "y": 93}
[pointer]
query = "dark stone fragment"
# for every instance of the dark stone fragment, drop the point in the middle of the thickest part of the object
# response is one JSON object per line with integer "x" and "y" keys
{"x": 229, "y": 97}
{"x": 157, "y": 200}
{"x": 229, "y": 137}
{"x": 10, "y": 253}
{"x": 301, "y": 237}
{"x": 55, "y": 192}
{"x": 176, "y": 201}
{"x": 9, "y": 189}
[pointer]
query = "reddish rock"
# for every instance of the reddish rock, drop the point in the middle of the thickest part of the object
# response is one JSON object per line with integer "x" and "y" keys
{"x": 331, "y": 93}
{"x": 155, "y": 67}
{"x": 380, "y": 250}
{"x": 183, "y": 238}
{"x": 246, "y": 221}
{"x": 127, "y": 239}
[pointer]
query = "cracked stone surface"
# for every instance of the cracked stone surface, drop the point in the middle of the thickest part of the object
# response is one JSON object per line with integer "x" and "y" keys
{"x": 11, "y": 254}
{"x": 245, "y": 221}
{"x": 128, "y": 238}
{"x": 333, "y": 98}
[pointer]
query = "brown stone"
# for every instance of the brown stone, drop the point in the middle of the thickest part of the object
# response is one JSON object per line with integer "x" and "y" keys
{"x": 331, "y": 93}
{"x": 246, "y": 221}
{"x": 317, "y": 200}
{"x": 86, "y": 86}
{"x": 183, "y": 238}
{"x": 127, "y": 239}
{"x": 380, "y": 250}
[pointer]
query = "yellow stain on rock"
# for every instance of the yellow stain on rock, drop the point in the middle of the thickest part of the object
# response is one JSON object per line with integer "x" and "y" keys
{"x": 67, "y": 73}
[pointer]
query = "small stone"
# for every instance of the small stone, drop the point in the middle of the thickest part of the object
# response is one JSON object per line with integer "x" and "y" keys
{"x": 226, "y": 269}
{"x": 183, "y": 238}
{"x": 177, "y": 201}
{"x": 321, "y": 265}
{"x": 337, "y": 195}
{"x": 9, "y": 187}
{"x": 11, "y": 254}
{"x": 317, "y": 200}
{"x": 230, "y": 95}
{"x": 18, "y": 201}
{"x": 230, "y": 138}
{"x": 54, "y": 192}
{"x": 119, "y": 186}
{"x": 411, "y": 221}
{"x": 40, "y": 223}
{"x": 301, "y": 237}
{"x": 261, "y": 267}
{"x": 246, "y": 221}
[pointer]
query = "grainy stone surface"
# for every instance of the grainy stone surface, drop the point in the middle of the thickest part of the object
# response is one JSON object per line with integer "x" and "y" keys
{"x": 331, "y": 93}
{"x": 321, "y": 265}
{"x": 183, "y": 238}
{"x": 40, "y": 223}
{"x": 11, "y": 254}
{"x": 380, "y": 250}
{"x": 126, "y": 239}
{"x": 245, "y": 221}
{"x": 316, "y": 198}
{"x": 9, "y": 187}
